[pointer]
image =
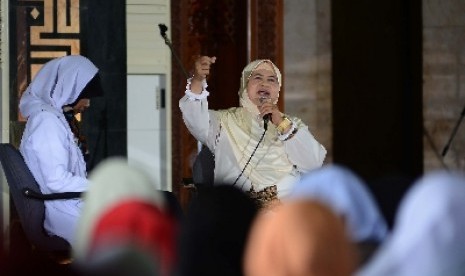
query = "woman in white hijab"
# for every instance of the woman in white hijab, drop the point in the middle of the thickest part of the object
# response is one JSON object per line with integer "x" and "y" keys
{"x": 48, "y": 144}
{"x": 347, "y": 195}
{"x": 287, "y": 148}
{"x": 428, "y": 237}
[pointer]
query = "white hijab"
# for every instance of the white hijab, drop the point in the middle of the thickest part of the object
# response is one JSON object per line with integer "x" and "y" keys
{"x": 59, "y": 82}
{"x": 346, "y": 194}
{"x": 246, "y": 73}
{"x": 428, "y": 237}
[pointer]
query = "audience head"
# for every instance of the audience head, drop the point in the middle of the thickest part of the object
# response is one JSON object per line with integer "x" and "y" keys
{"x": 301, "y": 237}
{"x": 427, "y": 238}
{"x": 213, "y": 234}
{"x": 123, "y": 209}
{"x": 347, "y": 195}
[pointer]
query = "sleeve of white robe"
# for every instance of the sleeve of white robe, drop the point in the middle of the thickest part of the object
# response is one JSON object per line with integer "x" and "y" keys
{"x": 303, "y": 150}
{"x": 47, "y": 145}
{"x": 198, "y": 119}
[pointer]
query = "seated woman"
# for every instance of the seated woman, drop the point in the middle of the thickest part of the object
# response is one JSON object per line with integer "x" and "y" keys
{"x": 48, "y": 144}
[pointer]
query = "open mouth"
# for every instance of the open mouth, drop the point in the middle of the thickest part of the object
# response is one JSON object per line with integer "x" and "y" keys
{"x": 264, "y": 93}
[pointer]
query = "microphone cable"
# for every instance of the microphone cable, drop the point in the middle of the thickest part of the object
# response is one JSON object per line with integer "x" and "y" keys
{"x": 248, "y": 161}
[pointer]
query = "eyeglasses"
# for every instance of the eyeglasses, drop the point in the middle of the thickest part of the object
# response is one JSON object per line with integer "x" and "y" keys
{"x": 260, "y": 79}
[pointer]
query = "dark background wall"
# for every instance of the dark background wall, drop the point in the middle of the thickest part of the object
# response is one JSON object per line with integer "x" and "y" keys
{"x": 104, "y": 42}
{"x": 377, "y": 93}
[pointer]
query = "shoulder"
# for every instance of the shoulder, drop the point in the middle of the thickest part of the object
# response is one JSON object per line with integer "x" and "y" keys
{"x": 233, "y": 111}
{"x": 44, "y": 119}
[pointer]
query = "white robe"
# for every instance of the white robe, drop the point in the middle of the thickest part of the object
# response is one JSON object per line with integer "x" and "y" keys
{"x": 46, "y": 149}
{"x": 303, "y": 152}
{"x": 48, "y": 146}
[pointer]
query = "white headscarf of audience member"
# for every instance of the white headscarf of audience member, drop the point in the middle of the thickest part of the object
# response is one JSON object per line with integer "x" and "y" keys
{"x": 346, "y": 194}
{"x": 428, "y": 237}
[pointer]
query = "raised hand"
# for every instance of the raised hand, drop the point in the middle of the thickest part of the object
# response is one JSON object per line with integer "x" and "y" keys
{"x": 201, "y": 70}
{"x": 202, "y": 67}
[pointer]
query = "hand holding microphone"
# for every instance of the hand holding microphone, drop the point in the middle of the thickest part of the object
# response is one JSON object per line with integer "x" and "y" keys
{"x": 269, "y": 111}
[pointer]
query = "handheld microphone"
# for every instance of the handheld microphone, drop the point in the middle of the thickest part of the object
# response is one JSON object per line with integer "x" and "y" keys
{"x": 163, "y": 30}
{"x": 267, "y": 117}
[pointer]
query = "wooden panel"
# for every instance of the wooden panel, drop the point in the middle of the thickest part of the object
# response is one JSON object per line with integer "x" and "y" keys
{"x": 266, "y": 34}
{"x": 44, "y": 30}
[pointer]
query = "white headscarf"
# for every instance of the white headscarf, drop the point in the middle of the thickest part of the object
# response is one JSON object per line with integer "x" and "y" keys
{"x": 428, "y": 237}
{"x": 59, "y": 82}
{"x": 246, "y": 73}
{"x": 346, "y": 194}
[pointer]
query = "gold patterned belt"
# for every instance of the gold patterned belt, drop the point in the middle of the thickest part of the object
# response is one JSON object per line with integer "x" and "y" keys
{"x": 265, "y": 198}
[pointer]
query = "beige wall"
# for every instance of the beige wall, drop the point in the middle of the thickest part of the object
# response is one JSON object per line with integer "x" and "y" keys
{"x": 307, "y": 66}
{"x": 444, "y": 82}
{"x": 307, "y": 72}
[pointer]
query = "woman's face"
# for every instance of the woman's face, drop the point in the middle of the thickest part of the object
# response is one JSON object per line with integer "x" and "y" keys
{"x": 263, "y": 84}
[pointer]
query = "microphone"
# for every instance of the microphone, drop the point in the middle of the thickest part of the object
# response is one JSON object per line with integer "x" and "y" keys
{"x": 267, "y": 117}
{"x": 163, "y": 30}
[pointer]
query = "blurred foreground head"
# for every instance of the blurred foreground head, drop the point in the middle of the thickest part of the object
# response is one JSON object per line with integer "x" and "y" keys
{"x": 300, "y": 238}
{"x": 348, "y": 196}
{"x": 428, "y": 237}
{"x": 214, "y": 233}
{"x": 124, "y": 213}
